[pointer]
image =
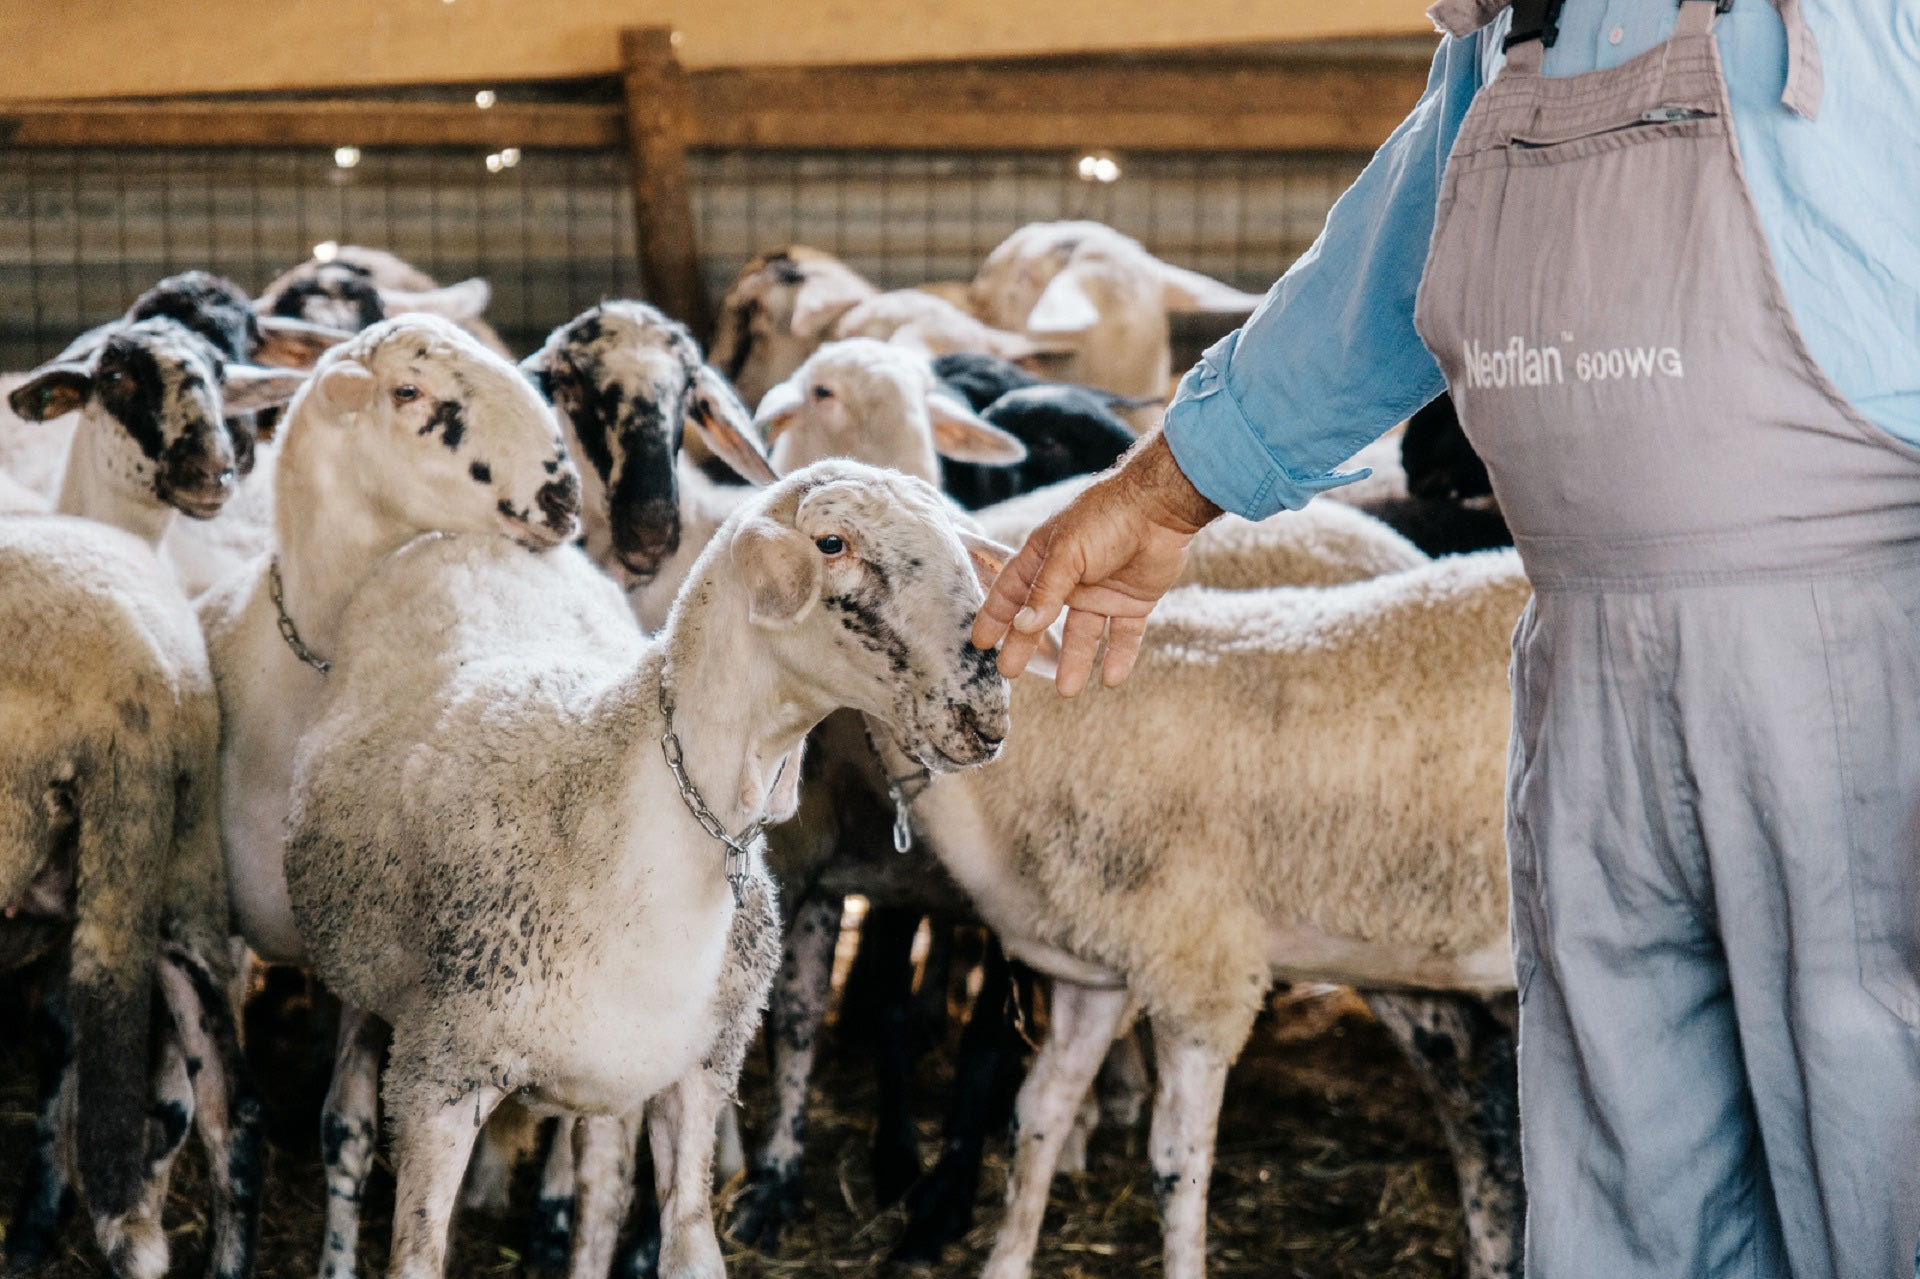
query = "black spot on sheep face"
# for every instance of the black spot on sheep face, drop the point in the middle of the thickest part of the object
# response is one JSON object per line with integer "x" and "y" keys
{"x": 898, "y": 593}
{"x": 622, "y": 376}
{"x": 456, "y": 438}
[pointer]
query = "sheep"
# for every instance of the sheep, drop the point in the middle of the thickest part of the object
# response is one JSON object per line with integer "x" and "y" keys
{"x": 867, "y": 410}
{"x": 151, "y": 435}
{"x": 411, "y": 426}
{"x": 108, "y": 781}
{"x": 1350, "y": 832}
{"x": 1086, "y": 284}
{"x": 595, "y": 957}
{"x": 626, "y": 380}
{"x": 1449, "y": 507}
{"x": 222, "y": 330}
{"x": 787, "y": 302}
{"x": 348, "y": 286}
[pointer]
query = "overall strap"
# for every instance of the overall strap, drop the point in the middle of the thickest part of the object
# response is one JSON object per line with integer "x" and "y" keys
{"x": 1536, "y": 24}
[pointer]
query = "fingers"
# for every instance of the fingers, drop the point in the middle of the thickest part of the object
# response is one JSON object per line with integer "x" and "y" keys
{"x": 1123, "y": 648}
{"x": 1009, "y": 593}
{"x": 1077, "y": 647}
{"x": 1015, "y": 652}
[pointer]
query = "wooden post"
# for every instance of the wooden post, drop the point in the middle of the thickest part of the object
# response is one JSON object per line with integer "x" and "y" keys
{"x": 658, "y": 126}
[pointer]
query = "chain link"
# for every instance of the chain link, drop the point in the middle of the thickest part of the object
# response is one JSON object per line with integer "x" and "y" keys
{"x": 904, "y": 790}
{"x": 738, "y": 850}
{"x": 287, "y": 630}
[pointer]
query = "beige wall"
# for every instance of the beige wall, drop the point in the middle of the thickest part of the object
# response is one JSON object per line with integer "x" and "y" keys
{"x": 95, "y": 48}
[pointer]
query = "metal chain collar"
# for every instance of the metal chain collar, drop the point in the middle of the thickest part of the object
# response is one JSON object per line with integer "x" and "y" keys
{"x": 904, "y": 790}
{"x": 738, "y": 850}
{"x": 288, "y": 632}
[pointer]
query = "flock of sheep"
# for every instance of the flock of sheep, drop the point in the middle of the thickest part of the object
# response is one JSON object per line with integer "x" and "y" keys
{"x": 551, "y": 736}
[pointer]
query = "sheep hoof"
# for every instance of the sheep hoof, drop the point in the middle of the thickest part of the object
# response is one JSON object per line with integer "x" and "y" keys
{"x": 939, "y": 1212}
{"x": 762, "y": 1211}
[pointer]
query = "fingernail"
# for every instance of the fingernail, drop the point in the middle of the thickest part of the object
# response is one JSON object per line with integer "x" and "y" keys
{"x": 1027, "y": 621}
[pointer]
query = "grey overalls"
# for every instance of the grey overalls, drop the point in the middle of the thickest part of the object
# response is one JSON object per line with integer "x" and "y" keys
{"x": 1714, "y": 785}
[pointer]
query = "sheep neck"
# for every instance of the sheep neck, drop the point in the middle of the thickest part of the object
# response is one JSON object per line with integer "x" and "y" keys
{"x": 738, "y": 716}
{"x": 89, "y": 490}
{"x": 328, "y": 527}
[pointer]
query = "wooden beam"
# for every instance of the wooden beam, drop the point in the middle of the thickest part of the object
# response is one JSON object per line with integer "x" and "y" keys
{"x": 1227, "y": 103}
{"x": 1141, "y": 104}
{"x": 323, "y": 123}
{"x": 659, "y": 121}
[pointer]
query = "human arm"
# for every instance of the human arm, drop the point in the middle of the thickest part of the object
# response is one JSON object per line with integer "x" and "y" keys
{"x": 1328, "y": 362}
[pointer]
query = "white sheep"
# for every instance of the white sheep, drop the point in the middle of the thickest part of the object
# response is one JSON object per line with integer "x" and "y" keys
{"x": 574, "y": 937}
{"x": 108, "y": 781}
{"x": 412, "y": 426}
{"x": 786, "y": 303}
{"x": 148, "y": 415}
{"x": 1087, "y": 285}
{"x": 1294, "y": 784}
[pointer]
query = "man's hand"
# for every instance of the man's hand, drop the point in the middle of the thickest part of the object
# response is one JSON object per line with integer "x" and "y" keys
{"x": 1107, "y": 558}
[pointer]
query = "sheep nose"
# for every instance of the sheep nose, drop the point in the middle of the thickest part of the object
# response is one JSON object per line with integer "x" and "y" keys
{"x": 559, "y": 501}
{"x": 644, "y": 535}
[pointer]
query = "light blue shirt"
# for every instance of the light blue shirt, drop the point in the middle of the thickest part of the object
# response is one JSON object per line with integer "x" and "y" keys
{"x": 1330, "y": 361}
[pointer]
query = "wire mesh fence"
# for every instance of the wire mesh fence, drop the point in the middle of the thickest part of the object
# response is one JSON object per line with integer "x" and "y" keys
{"x": 83, "y": 231}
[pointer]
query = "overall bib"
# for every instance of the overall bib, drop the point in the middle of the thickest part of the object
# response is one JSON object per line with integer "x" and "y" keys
{"x": 1714, "y": 779}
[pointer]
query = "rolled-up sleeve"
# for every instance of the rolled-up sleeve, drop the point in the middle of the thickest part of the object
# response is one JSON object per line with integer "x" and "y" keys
{"x": 1330, "y": 360}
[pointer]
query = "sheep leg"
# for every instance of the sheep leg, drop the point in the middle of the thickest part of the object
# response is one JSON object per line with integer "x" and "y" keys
{"x": 35, "y": 1228}
{"x": 1082, "y": 1029}
{"x": 509, "y": 1135}
{"x": 886, "y": 949}
{"x": 1462, "y": 1047}
{"x": 603, "y": 1163}
{"x": 136, "y": 1244}
{"x": 680, "y": 1125}
{"x": 551, "y": 1234}
{"x": 349, "y": 1126}
{"x": 227, "y": 1109}
{"x": 1124, "y": 1084}
{"x": 986, "y": 1074}
{"x": 1186, "y": 1110}
{"x": 432, "y": 1141}
{"x": 794, "y": 1016}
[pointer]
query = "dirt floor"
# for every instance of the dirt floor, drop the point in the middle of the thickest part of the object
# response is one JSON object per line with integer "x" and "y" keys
{"x": 1330, "y": 1164}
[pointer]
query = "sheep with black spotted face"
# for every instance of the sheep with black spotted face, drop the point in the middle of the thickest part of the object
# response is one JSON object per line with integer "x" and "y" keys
{"x": 355, "y": 287}
{"x": 627, "y": 381}
{"x": 581, "y": 944}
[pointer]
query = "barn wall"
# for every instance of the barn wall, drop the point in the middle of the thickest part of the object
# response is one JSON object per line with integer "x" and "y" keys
{"x": 169, "y": 46}
{"x": 83, "y": 231}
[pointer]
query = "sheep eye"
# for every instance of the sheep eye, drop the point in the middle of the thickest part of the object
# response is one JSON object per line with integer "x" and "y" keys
{"x": 830, "y": 545}
{"x": 822, "y": 393}
{"x": 407, "y": 392}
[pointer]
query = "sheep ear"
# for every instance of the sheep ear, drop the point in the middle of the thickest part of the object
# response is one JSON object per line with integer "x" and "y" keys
{"x": 724, "y": 423}
{"x": 829, "y": 292}
{"x": 779, "y": 409}
{"x": 460, "y": 302}
{"x": 246, "y": 387}
{"x": 781, "y": 570}
{"x": 51, "y": 390}
{"x": 988, "y": 556}
{"x": 1184, "y": 290}
{"x": 1018, "y": 346}
{"x": 347, "y": 387}
{"x": 1063, "y": 306}
{"x": 294, "y": 344}
{"x": 960, "y": 434}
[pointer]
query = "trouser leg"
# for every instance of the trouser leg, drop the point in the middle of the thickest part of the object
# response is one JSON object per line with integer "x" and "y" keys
{"x": 1641, "y": 1150}
{"x": 1808, "y": 768}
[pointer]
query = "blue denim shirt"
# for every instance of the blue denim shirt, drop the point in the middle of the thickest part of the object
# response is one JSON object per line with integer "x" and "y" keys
{"x": 1330, "y": 360}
